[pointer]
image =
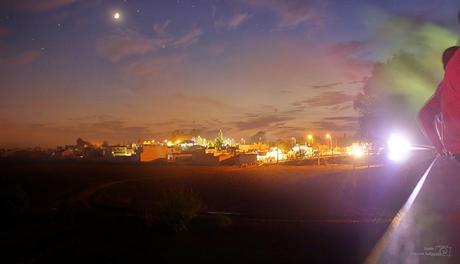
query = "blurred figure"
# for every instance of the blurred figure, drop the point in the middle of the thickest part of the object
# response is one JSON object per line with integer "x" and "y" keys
{"x": 440, "y": 116}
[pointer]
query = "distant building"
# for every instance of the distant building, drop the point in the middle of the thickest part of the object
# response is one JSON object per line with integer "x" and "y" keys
{"x": 179, "y": 156}
{"x": 241, "y": 159}
{"x": 153, "y": 152}
{"x": 258, "y": 147}
{"x": 121, "y": 153}
{"x": 200, "y": 157}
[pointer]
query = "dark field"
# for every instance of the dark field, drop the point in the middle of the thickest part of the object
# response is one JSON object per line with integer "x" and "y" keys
{"x": 108, "y": 213}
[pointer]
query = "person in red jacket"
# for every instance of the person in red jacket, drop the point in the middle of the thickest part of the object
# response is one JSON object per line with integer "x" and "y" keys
{"x": 440, "y": 116}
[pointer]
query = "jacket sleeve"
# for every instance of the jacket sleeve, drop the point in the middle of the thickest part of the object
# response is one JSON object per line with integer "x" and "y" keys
{"x": 427, "y": 116}
{"x": 452, "y": 75}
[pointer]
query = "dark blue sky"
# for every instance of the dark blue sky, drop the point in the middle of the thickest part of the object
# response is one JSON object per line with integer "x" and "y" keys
{"x": 291, "y": 67}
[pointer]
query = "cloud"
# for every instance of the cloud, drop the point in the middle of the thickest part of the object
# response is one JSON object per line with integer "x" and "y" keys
{"x": 126, "y": 43}
{"x": 292, "y": 13}
{"x": 286, "y": 91}
{"x": 160, "y": 29}
{"x": 123, "y": 44}
{"x": 326, "y": 99}
{"x": 189, "y": 38}
{"x": 232, "y": 22}
{"x": 182, "y": 98}
{"x": 34, "y": 6}
{"x": 338, "y": 123}
{"x": 342, "y": 118}
{"x": 25, "y": 57}
{"x": 334, "y": 126}
{"x": 153, "y": 66}
{"x": 50, "y": 135}
{"x": 261, "y": 122}
{"x": 325, "y": 86}
{"x": 348, "y": 48}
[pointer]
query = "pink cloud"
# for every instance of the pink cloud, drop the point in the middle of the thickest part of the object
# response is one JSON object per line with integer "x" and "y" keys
{"x": 153, "y": 66}
{"x": 189, "y": 38}
{"x": 233, "y": 22}
{"x": 124, "y": 44}
{"x": 160, "y": 29}
{"x": 25, "y": 57}
{"x": 34, "y": 6}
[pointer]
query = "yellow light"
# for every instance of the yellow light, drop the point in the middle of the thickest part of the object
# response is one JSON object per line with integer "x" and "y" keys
{"x": 328, "y": 136}
{"x": 310, "y": 136}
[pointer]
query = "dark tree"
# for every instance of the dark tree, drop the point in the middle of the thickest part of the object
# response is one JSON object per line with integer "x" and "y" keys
{"x": 82, "y": 143}
{"x": 259, "y": 137}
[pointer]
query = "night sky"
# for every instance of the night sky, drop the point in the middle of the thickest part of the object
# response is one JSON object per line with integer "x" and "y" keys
{"x": 70, "y": 69}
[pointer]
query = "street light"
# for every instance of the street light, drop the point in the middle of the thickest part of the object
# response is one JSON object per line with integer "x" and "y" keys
{"x": 310, "y": 138}
{"x": 328, "y": 136}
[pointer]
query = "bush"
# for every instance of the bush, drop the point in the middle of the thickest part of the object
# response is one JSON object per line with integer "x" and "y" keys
{"x": 178, "y": 207}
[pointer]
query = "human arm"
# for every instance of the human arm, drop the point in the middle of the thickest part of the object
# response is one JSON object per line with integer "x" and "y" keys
{"x": 427, "y": 116}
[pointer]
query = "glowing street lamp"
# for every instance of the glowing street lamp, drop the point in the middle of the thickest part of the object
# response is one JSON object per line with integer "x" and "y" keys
{"x": 310, "y": 139}
{"x": 328, "y": 136}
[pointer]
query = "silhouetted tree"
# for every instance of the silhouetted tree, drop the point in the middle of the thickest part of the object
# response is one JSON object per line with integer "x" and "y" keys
{"x": 82, "y": 143}
{"x": 259, "y": 137}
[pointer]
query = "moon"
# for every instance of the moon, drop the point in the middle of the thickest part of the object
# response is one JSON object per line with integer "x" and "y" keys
{"x": 116, "y": 15}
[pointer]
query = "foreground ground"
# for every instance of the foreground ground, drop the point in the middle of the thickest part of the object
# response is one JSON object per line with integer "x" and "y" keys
{"x": 83, "y": 212}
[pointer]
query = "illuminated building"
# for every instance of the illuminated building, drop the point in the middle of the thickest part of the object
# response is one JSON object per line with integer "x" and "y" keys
{"x": 153, "y": 152}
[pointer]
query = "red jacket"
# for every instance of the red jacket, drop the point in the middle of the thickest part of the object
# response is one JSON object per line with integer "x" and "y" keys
{"x": 445, "y": 104}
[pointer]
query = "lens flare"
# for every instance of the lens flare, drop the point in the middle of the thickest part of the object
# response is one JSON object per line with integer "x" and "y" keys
{"x": 398, "y": 147}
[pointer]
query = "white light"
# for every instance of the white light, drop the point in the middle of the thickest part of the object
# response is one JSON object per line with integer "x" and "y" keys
{"x": 357, "y": 151}
{"x": 116, "y": 16}
{"x": 398, "y": 147}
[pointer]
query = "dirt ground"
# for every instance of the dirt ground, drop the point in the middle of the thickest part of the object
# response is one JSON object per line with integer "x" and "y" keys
{"x": 279, "y": 213}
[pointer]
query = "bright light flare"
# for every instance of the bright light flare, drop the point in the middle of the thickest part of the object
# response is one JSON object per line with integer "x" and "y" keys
{"x": 398, "y": 147}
